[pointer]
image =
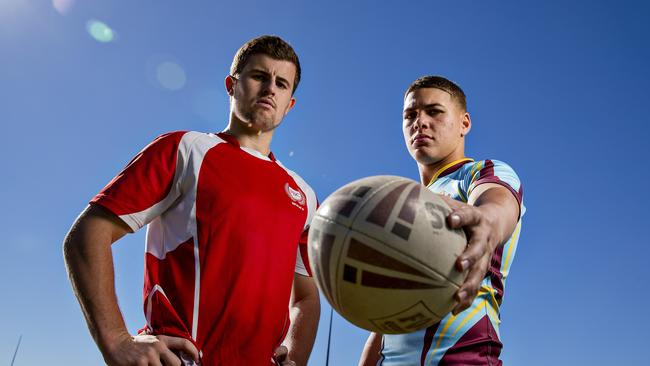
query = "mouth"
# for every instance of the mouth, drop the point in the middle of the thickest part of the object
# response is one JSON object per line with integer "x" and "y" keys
{"x": 420, "y": 139}
{"x": 265, "y": 103}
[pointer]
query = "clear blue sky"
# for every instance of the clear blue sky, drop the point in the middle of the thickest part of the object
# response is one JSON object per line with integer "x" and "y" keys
{"x": 558, "y": 89}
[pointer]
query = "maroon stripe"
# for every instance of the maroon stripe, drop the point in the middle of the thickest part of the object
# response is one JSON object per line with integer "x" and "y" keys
{"x": 363, "y": 253}
{"x": 377, "y": 280}
{"x": 453, "y": 168}
{"x": 409, "y": 207}
{"x": 496, "y": 277}
{"x": 480, "y": 345}
{"x": 498, "y": 181}
{"x": 381, "y": 212}
{"x": 488, "y": 169}
{"x": 428, "y": 340}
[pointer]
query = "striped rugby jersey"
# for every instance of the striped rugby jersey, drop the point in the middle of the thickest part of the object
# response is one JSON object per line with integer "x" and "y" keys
{"x": 472, "y": 336}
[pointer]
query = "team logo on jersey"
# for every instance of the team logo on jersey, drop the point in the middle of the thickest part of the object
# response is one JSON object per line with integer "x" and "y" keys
{"x": 297, "y": 198}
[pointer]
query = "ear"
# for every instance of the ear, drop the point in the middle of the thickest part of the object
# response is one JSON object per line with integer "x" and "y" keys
{"x": 292, "y": 102}
{"x": 230, "y": 85}
{"x": 465, "y": 124}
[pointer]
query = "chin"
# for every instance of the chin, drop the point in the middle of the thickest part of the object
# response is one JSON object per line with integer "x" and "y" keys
{"x": 425, "y": 158}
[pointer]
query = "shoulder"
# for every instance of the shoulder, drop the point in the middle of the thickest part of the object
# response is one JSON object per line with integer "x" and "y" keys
{"x": 485, "y": 168}
{"x": 186, "y": 140}
{"x": 298, "y": 179}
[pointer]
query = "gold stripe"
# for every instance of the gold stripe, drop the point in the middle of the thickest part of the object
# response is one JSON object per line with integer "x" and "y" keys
{"x": 460, "y": 194}
{"x": 470, "y": 316}
{"x": 493, "y": 315}
{"x": 435, "y": 176}
{"x": 444, "y": 330}
{"x": 486, "y": 289}
{"x": 513, "y": 242}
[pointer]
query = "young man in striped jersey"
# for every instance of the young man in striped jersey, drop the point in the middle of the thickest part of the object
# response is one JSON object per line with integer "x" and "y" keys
{"x": 226, "y": 280}
{"x": 486, "y": 198}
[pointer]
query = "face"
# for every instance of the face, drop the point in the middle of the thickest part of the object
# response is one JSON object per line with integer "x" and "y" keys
{"x": 434, "y": 126}
{"x": 261, "y": 95}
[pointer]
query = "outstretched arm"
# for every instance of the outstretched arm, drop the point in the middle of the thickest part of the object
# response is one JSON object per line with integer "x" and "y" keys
{"x": 488, "y": 219}
{"x": 89, "y": 261}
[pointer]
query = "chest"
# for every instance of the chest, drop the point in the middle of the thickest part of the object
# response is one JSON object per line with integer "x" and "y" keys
{"x": 233, "y": 182}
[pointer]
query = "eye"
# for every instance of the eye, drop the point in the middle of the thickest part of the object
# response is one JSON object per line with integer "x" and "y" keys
{"x": 410, "y": 115}
{"x": 282, "y": 85}
{"x": 434, "y": 112}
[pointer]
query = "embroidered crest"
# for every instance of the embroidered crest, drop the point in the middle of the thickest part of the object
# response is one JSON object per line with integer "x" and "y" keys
{"x": 296, "y": 196}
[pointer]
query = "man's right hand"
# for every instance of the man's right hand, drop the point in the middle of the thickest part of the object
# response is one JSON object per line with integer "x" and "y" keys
{"x": 148, "y": 350}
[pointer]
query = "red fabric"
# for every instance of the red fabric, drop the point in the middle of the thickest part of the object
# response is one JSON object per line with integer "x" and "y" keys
{"x": 247, "y": 230}
{"x": 146, "y": 180}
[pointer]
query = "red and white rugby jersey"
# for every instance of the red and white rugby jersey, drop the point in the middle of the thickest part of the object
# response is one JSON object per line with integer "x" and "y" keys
{"x": 222, "y": 244}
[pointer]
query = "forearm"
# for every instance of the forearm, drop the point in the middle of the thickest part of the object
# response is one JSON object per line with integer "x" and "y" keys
{"x": 501, "y": 210}
{"x": 371, "y": 351}
{"x": 305, "y": 315}
{"x": 88, "y": 259}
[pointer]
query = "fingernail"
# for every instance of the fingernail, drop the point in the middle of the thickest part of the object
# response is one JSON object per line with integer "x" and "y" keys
{"x": 455, "y": 219}
{"x": 464, "y": 264}
{"x": 462, "y": 295}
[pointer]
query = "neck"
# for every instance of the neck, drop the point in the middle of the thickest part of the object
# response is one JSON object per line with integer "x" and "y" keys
{"x": 430, "y": 172}
{"x": 248, "y": 137}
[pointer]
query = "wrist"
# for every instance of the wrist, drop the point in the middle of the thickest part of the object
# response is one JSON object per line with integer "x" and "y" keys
{"x": 109, "y": 341}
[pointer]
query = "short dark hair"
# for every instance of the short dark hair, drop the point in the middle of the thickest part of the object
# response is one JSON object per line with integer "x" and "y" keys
{"x": 439, "y": 82}
{"x": 272, "y": 46}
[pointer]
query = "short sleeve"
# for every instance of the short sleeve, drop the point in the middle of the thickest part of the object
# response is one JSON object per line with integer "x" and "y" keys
{"x": 148, "y": 185}
{"x": 498, "y": 172}
{"x": 302, "y": 259}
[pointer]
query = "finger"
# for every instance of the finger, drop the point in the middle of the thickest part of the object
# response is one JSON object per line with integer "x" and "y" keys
{"x": 181, "y": 344}
{"x": 288, "y": 363}
{"x": 476, "y": 249}
{"x": 463, "y": 216}
{"x": 281, "y": 354}
{"x": 469, "y": 289}
{"x": 168, "y": 358}
{"x": 153, "y": 357}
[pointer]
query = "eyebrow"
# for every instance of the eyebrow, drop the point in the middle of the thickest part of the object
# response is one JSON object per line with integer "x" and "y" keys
{"x": 430, "y": 105}
{"x": 261, "y": 71}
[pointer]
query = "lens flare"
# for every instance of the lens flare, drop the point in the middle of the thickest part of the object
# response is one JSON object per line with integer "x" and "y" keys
{"x": 62, "y": 6}
{"x": 170, "y": 76}
{"x": 100, "y": 31}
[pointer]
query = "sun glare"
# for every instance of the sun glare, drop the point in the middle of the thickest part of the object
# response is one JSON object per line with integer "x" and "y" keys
{"x": 100, "y": 31}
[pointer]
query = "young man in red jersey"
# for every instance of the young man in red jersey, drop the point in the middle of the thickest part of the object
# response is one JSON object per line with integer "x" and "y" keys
{"x": 226, "y": 280}
{"x": 486, "y": 199}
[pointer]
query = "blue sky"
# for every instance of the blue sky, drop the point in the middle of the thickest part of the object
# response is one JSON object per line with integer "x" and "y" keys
{"x": 557, "y": 89}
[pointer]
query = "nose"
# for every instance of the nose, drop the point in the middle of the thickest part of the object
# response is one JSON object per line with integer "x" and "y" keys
{"x": 269, "y": 86}
{"x": 420, "y": 123}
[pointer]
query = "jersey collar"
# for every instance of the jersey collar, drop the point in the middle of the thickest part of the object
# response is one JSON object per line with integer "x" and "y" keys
{"x": 233, "y": 141}
{"x": 449, "y": 168}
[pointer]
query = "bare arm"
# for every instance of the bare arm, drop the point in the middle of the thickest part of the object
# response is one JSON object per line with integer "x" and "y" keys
{"x": 89, "y": 261}
{"x": 489, "y": 220}
{"x": 372, "y": 350}
{"x": 305, "y": 313}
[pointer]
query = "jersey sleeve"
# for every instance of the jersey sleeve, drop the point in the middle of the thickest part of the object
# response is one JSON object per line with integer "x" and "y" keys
{"x": 494, "y": 171}
{"x": 302, "y": 259}
{"x": 148, "y": 185}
